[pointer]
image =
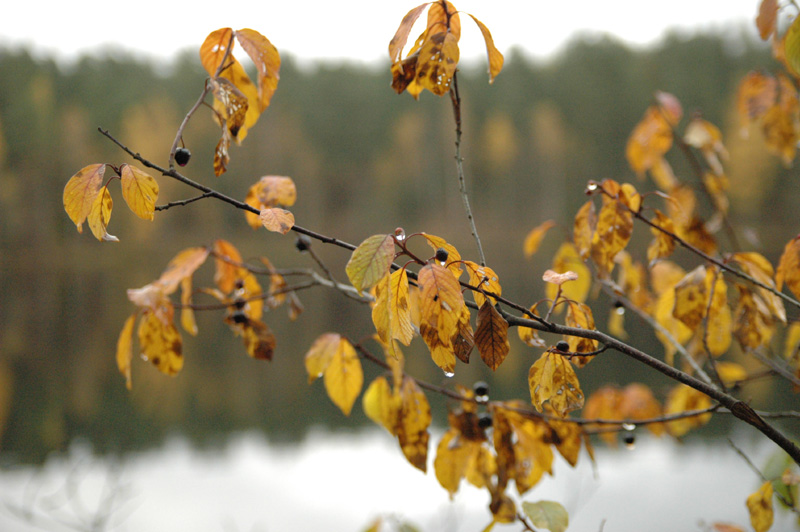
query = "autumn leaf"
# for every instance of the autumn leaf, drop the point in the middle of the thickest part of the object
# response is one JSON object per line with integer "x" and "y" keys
{"x": 267, "y": 60}
{"x": 227, "y": 260}
{"x": 232, "y": 106}
{"x": 522, "y": 445}
{"x": 559, "y": 278}
{"x": 681, "y": 399}
{"x": 437, "y": 62}
{"x": 269, "y": 191}
{"x": 663, "y": 244}
{"x": 549, "y": 515}
{"x": 719, "y": 318}
{"x": 758, "y": 267}
{"x": 452, "y": 459}
{"x": 756, "y": 94}
{"x": 160, "y": 343}
{"x": 583, "y": 228}
{"x": 277, "y": 220}
{"x": 221, "y": 153}
{"x": 552, "y": 379}
{"x": 789, "y": 267}
{"x": 579, "y": 315}
{"x": 767, "y": 18}
{"x": 400, "y": 38}
{"x": 81, "y": 191}
{"x": 125, "y": 350}
{"x": 759, "y": 504}
{"x": 495, "y": 57}
{"x": 370, "y": 261}
{"x": 791, "y": 44}
{"x": 530, "y": 337}
{"x": 213, "y": 49}
{"x": 188, "y": 321}
{"x": 453, "y": 256}
{"x": 567, "y": 259}
{"x": 100, "y": 215}
{"x": 638, "y": 403}
{"x": 319, "y": 356}
{"x": 691, "y": 298}
{"x": 412, "y": 424}
{"x": 649, "y": 141}
{"x": 139, "y": 190}
{"x": 344, "y": 376}
{"x": 380, "y": 405}
{"x": 391, "y": 313}
{"x": 441, "y": 301}
{"x": 605, "y": 403}
{"x": 491, "y": 336}
{"x": 534, "y": 238}
{"x": 753, "y": 326}
{"x": 484, "y": 278}
{"x": 182, "y": 266}
{"x": 614, "y": 228}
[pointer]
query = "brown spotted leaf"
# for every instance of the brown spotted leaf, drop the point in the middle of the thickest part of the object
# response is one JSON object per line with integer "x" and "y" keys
{"x": 552, "y": 379}
{"x": 277, "y": 220}
{"x": 491, "y": 336}
{"x": 160, "y": 343}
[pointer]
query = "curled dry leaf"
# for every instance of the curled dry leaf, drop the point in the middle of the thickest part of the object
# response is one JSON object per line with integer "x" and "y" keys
{"x": 277, "y": 220}
{"x": 559, "y": 278}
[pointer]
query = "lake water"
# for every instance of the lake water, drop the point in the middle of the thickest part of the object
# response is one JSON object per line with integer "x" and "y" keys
{"x": 342, "y": 482}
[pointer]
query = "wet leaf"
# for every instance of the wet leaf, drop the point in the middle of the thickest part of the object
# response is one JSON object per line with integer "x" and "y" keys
{"x": 549, "y": 515}
{"x": 412, "y": 424}
{"x": 719, "y": 318}
{"x": 125, "y": 350}
{"x": 391, "y": 313}
{"x": 277, "y": 220}
{"x": 139, "y": 190}
{"x": 221, "y": 153}
{"x": 484, "y": 278}
{"x": 370, "y": 261}
{"x": 759, "y": 504}
{"x": 530, "y": 337}
{"x": 614, "y": 229}
{"x": 81, "y": 191}
{"x": 344, "y": 376}
{"x": 441, "y": 302}
{"x": 753, "y": 326}
{"x": 453, "y": 256}
{"x": 491, "y": 336}
{"x": 320, "y": 354}
{"x": 233, "y": 104}
{"x": 552, "y": 379}
{"x": 605, "y": 403}
{"x": 452, "y": 459}
{"x": 638, "y": 403}
{"x": 100, "y": 215}
{"x": 437, "y": 62}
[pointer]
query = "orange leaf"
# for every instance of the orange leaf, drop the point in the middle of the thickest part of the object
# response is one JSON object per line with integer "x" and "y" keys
{"x": 258, "y": 340}
{"x": 535, "y": 236}
{"x": 267, "y": 60}
{"x": 614, "y": 229}
{"x": 213, "y": 49}
{"x": 552, "y": 379}
{"x": 441, "y": 301}
{"x": 495, "y": 57}
{"x": 453, "y": 256}
{"x": 580, "y": 315}
{"x": 585, "y": 224}
{"x": 227, "y": 263}
{"x": 277, "y": 220}
{"x": 691, "y": 298}
{"x": 269, "y": 191}
{"x": 100, "y": 215}
{"x": 484, "y": 278}
{"x": 767, "y": 18}
{"x": 182, "y": 266}
{"x": 437, "y": 62}
{"x": 221, "y": 153}
{"x": 491, "y": 336}
{"x": 559, "y": 278}
{"x": 81, "y": 191}
{"x": 789, "y": 267}
{"x": 649, "y": 141}
{"x": 188, "y": 322}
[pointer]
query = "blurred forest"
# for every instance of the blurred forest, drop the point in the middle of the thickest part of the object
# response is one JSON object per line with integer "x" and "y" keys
{"x": 365, "y": 161}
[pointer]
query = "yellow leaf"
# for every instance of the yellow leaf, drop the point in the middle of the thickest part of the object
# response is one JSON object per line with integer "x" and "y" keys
{"x": 649, "y": 141}
{"x": 81, "y": 191}
{"x": 437, "y": 62}
{"x": 568, "y": 441}
{"x": 730, "y": 372}
{"x": 228, "y": 269}
{"x": 258, "y": 340}
{"x": 614, "y": 228}
{"x": 160, "y": 343}
{"x": 531, "y": 337}
{"x": 691, "y": 298}
{"x": 230, "y": 103}
{"x": 495, "y": 57}
{"x": 380, "y": 405}
{"x": 759, "y": 504}
{"x": 452, "y": 459}
{"x": 320, "y": 354}
{"x": 391, "y": 313}
{"x": 453, "y": 256}
{"x": 484, "y": 278}
{"x": 491, "y": 336}
{"x": 685, "y": 399}
{"x": 759, "y": 268}
{"x": 398, "y": 42}
{"x": 583, "y": 229}
{"x": 370, "y": 261}
{"x": 344, "y": 377}
{"x": 792, "y": 341}
{"x": 412, "y": 424}
{"x": 552, "y": 379}
{"x": 604, "y": 403}
{"x": 549, "y": 515}
{"x": 187, "y": 313}
{"x": 125, "y": 350}
{"x": 580, "y": 315}
{"x": 753, "y": 326}
{"x": 664, "y": 316}
{"x": 182, "y": 266}
{"x": 100, "y": 215}
{"x": 535, "y": 236}
{"x": 269, "y": 191}
{"x": 530, "y": 456}
{"x": 719, "y": 319}
{"x": 221, "y": 153}
{"x": 277, "y": 220}
{"x": 567, "y": 259}
{"x": 663, "y": 244}
{"x": 789, "y": 267}
{"x": 441, "y": 301}
{"x": 139, "y": 190}
{"x": 441, "y": 20}
{"x": 755, "y": 96}
{"x": 213, "y": 49}
{"x": 792, "y": 47}
{"x": 267, "y": 60}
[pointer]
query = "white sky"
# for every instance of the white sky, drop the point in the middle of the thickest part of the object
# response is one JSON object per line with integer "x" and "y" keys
{"x": 357, "y": 30}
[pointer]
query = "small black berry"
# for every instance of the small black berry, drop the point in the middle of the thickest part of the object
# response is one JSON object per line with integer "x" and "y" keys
{"x": 485, "y": 421}
{"x": 442, "y": 254}
{"x": 481, "y": 389}
{"x": 182, "y": 156}
{"x": 563, "y": 346}
{"x": 629, "y": 439}
{"x": 303, "y": 243}
{"x": 238, "y": 316}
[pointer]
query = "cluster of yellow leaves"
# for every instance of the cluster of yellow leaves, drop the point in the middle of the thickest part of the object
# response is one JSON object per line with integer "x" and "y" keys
{"x": 269, "y": 194}
{"x": 87, "y": 199}
{"x": 238, "y": 102}
{"x": 431, "y": 63}
{"x": 521, "y": 448}
{"x": 236, "y": 287}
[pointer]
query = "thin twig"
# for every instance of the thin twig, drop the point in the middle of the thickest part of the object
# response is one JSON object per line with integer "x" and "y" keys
{"x": 181, "y": 203}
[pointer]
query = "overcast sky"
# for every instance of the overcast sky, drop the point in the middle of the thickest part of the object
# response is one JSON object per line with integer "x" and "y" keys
{"x": 357, "y": 30}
